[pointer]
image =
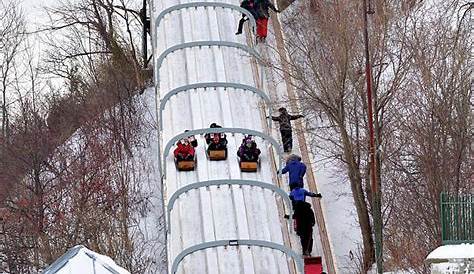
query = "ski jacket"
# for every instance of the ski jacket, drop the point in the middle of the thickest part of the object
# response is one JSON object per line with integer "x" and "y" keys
{"x": 184, "y": 149}
{"x": 296, "y": 170}
{"x": 285, "y": 120}
{"x": 250, "y": 6}
{"x": 299, "y": 194}
{"x": 304, "y": 217}
{"x": 252, "y": 152}
{"x": 261, "y": 8}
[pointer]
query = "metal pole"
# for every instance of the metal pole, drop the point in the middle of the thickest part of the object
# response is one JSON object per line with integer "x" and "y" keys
{"x": 144, "y": 35}
{"x": 376, "y": 210}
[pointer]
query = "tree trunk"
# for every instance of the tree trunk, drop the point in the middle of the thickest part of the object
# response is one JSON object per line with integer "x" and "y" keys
{"x": 355, "y": 179}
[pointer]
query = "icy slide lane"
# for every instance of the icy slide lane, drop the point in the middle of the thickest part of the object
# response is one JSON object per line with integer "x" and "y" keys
{"x": 225, "y": 212}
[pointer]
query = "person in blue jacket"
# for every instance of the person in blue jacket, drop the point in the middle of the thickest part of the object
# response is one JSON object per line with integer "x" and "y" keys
{"x": 296, "y": 170}
{"x": 299, "y": 194}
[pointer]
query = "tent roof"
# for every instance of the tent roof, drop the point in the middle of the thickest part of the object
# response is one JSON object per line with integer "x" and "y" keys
{"x": 447, "y": 253}
{"x": 82, "y": 260}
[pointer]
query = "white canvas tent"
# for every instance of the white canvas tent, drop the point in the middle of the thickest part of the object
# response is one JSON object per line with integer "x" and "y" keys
{"x": 452, "y": 259}
{"x": 81, "y": 260}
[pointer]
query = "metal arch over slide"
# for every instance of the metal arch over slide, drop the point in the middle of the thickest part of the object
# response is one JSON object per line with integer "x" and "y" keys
{"x": 205, "y": 5}
{"x": 224, "y": 85}
{"x": 221, "y": 130}
{"x": 165, "y": 53}
{"x": 229, "y": 182}
{"x": 298, "y": 260}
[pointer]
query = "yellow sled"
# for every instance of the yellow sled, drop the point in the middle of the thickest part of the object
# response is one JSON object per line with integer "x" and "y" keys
{"x": 248, "y": 166}
{"x": 217, "y": 155}
{"x": 185, "y": 165}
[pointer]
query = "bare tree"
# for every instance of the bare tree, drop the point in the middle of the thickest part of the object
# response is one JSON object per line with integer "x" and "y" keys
{"x": 435, "y": 130}
{"x": 422, "y": 104}
{"x": 326, "y": 68}
{"x": 12, "y": 34}
{"x": 74, "y": 170}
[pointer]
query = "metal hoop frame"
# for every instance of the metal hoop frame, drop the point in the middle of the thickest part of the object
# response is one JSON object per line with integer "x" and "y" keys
{"x": 167, "y": 11}
{"x": 224, "y": 85}
{"x": 289, "y": 252}
{"x": 244, "y": 131}
{"x": 229, "y": 182}
{"x": 164, "y": 54}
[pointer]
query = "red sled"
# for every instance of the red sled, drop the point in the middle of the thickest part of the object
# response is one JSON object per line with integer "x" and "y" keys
{"x": 313, "y": 265}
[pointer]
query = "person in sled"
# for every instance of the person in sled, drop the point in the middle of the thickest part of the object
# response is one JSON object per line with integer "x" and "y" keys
{"x": 192, "y": 139}
{"x": 296, "y": 171}
{"x": 185, "y": 151}
{"x": 248, "y": 151}
{"x": 250, "y": 6}
{"x": 262, "y": 14}
{"x": 304, "y": 221}
{"x": 285, "y": 127}
{"x": 216, "y": 141}
{"x": 299, "y": 194}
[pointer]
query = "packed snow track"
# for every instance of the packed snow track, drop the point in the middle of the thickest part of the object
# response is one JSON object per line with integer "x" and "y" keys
{"x": 216, "y": 227}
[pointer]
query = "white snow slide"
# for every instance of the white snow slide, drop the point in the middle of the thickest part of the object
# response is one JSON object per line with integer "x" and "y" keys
{"x": 220, "y": 219}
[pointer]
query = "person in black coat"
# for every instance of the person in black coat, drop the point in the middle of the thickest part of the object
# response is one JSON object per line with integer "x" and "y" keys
{"x": 250, "y": 6}
{"x": 304, "y": 222}
{"x": 285, "y": 127}
{"x": 216, "y": 141}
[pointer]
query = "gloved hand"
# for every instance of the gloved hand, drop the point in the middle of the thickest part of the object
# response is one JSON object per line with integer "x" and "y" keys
{"x": 318, "y": 195}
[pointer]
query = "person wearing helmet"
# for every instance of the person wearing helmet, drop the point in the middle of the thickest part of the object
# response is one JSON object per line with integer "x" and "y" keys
{"x": 248, "y": 150}
{"x": 285, "y": 127}
{"x": 184, "y": 151}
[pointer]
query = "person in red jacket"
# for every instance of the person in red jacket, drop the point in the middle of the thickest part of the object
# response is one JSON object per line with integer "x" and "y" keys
{"x": 184, "y": 151}
{"x": 262, "y": 14}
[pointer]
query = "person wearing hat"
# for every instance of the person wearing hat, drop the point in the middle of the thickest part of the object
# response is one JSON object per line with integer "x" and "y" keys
{"x": 248, "y": 150}
{"x": 285, "y": 127}
{"x": 296, "y": 171}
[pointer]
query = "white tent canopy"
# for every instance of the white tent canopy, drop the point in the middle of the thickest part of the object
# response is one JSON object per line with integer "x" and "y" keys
{"x": 81, "y": 260}
{"x": 446, "y": 253}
